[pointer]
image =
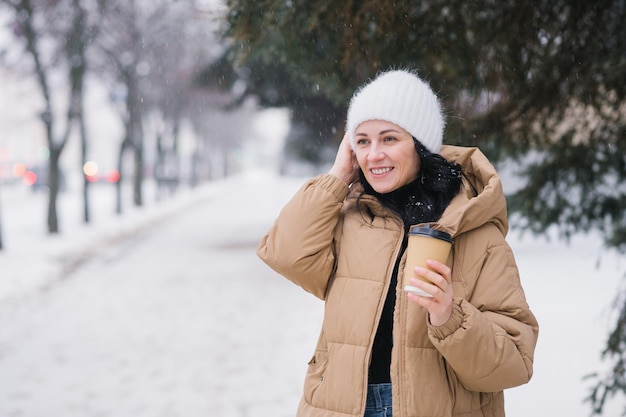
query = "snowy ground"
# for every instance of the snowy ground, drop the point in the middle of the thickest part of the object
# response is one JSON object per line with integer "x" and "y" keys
{"x": 166, "y": 311}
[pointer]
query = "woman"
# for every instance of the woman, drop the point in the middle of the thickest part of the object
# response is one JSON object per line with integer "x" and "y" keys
{"x": 343, "y": 237}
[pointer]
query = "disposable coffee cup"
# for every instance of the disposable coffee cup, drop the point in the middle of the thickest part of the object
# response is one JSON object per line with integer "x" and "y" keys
{"x": 424, "y": 243}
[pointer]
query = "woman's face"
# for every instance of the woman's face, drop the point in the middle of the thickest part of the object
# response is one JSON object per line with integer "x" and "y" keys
{"x": 386, "y": 154}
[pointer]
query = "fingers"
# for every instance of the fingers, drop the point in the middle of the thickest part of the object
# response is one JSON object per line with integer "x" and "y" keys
{"x": 441, "y": 268}
{"x": 346, "y": 148}
{"x": 345, "y": 166}
{"x": 430, "y": 288}
{"x": 440, "y": 275}
{"x": 439, "y": 287}
{"x": 346, "y": 140}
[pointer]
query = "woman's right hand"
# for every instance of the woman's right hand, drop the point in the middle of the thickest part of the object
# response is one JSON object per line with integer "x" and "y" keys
{"x": 345, "y": 167}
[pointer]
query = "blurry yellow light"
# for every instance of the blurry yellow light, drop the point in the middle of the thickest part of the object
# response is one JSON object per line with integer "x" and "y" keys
{"x": 90, "y": 168}
{"x": 19, "y": 170}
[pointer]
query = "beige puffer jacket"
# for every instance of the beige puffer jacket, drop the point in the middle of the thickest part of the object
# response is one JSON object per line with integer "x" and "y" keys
{"x": 346, "y": 256}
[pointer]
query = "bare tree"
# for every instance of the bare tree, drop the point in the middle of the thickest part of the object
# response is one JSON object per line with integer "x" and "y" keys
{"x": 122, "y": 44}
{"x": 83, "y": 27}
{"x": 25, "y": 27}
{"x": 37, "y": 22}
{"x": 151, "y": 50}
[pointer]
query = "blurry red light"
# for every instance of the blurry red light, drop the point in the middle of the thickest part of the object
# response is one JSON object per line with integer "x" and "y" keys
{"x": 113, "y": 176}
{"x": 29, "y": 177}
{"x": 92, "y": 178}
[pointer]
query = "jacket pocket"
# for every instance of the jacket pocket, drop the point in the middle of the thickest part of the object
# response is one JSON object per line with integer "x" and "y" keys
{"x": 315, "y": 377}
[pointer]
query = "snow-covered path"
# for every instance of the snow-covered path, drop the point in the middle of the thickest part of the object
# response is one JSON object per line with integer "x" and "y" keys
{"x": 170, "y": 313}
{"x": 180, "y": 319}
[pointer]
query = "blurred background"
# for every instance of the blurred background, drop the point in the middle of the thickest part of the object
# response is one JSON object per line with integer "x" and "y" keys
{"x": 145, "y": 101}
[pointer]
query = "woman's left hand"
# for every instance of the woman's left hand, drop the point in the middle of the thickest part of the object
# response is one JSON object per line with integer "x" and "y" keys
{"x": 439, "y": 306}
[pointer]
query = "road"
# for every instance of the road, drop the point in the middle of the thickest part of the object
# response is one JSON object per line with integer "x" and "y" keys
{"x": 177, "y": 319}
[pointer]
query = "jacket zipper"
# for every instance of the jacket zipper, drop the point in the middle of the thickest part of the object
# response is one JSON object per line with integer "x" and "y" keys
{"x": 397, "y": 260}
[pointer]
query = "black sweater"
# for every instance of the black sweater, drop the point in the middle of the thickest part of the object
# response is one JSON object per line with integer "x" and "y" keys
{"x": 401, "y": 201}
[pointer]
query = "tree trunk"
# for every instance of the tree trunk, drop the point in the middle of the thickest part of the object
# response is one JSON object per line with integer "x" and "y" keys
{"x": 135, "y": 133}
{"x": 138, "y": 178}
{"x": 53, "y": 190}
{"x": 120, "y": 170}
{"x": 76, "y": 45}
{"x": 83, "y": 136}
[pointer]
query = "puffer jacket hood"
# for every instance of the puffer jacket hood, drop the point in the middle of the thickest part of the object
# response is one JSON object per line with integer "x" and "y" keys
{"x": 483, "y": 200}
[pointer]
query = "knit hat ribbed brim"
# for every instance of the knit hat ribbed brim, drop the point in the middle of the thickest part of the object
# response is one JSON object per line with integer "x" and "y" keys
{"x": 402, "y": 98}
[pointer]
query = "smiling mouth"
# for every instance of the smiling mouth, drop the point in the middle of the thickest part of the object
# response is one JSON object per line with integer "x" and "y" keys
{"x": 380, "y": 171}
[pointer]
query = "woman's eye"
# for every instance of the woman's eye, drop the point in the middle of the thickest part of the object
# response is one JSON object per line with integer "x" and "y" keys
{"x": 389, "y": 138}
{"x": 361, "y": 142}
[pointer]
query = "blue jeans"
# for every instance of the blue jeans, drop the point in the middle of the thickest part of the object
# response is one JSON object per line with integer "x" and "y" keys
{"x": 378, "y": 402}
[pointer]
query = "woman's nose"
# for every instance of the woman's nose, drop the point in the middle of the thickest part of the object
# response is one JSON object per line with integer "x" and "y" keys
{"x": 375, "y": 154}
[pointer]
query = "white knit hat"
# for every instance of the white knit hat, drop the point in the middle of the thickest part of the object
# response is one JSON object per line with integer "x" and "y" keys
{"x": 402, "y": 98}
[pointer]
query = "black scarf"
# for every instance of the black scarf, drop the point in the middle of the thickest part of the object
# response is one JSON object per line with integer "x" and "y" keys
{"x": 409, "y": 202}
